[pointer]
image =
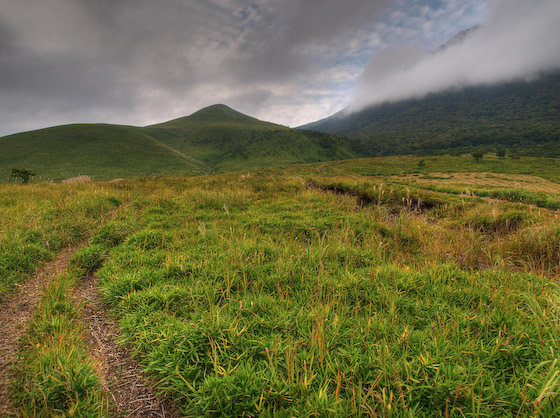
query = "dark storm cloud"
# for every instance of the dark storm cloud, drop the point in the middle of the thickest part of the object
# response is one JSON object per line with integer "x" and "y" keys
{"x": 519, "y": 41}
{"x": 69, "y": 61}
{"x": 140, "y": 61}
{"x": 281, "y": 37}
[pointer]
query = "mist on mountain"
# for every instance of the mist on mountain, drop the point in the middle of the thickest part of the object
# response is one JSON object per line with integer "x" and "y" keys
{"x": 517, "y": 42}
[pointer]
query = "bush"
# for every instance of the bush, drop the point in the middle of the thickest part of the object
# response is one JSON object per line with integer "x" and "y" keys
{"x": 477, "y": 156}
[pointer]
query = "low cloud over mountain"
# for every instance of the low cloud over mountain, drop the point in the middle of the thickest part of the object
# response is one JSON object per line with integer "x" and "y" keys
{"x": 519, "y": 40}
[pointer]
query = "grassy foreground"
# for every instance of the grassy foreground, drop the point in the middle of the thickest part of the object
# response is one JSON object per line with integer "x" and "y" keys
{"x": 36, "y": 221}
{"x": 57, "y": 374}
{"x": 250, "y": 295}
{"x": 297, "y": 293}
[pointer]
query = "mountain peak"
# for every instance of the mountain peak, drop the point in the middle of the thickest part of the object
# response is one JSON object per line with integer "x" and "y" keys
{"x": 220, "y": 113}
{"x": 458, "y": 38}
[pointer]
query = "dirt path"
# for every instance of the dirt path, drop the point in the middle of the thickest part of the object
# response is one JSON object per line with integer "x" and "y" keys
{"x": 196, "y": 163}
{"x": 119, "y": 373}
{"x": 15, "y": 312}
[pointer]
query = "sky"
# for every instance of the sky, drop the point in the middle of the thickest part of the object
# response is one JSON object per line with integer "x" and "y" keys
{"x": 141, "y": 62}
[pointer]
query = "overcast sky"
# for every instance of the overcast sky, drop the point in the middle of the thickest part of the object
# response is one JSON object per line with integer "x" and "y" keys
{"x": 287, "y": 61}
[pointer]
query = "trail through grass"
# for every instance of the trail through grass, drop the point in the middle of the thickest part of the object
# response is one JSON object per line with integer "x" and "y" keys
{"x": 316, "y": 291}
{"x": 15, "y": 313}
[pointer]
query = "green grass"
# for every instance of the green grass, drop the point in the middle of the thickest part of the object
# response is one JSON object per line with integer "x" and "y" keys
{"x": 543, "y": 200}
{"x": 226, "y": 140}
{"x": 548, "y": 168}
{"x": 56, "y": 376}
{"x": 276, "y": 293}
{"x": 214, "y": 139}
{"x": 249, "y": 296}
{"x": 103, "y": 152}
{"x": 36, "y": 221}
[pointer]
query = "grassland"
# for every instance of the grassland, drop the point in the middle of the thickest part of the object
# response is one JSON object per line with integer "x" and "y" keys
{"x": 103, "y": 152}
{"x": 215, "y": 139}
{"x": 226, "y": 140}
{"x": 547, "y": 168}
{"x": 37, "y": 221}
{"x": 331, "y": 290}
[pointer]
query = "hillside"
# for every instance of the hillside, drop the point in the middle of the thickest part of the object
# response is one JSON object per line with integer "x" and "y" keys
{"x": 523, "y": 117}
{"x": 225, "y": 140}
{"x": 216, "y": 138}
{"x": 100, "y": 151}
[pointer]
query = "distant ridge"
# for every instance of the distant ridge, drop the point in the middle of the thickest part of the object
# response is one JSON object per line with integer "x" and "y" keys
{"x": 522, "y": 117}
{"x": 216, "y": 138}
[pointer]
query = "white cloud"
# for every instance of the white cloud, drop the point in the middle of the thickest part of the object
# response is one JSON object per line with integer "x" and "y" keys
{"x": 519, "y": 40}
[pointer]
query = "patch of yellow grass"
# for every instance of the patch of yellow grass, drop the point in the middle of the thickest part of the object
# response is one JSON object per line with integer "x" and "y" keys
{"x": 515, "y": 181}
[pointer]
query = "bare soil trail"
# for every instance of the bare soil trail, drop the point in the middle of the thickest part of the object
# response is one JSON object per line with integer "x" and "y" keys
{"x": 15, "y": 312}
{"x": 132, "y": 394}
{"x": 193, "y": 161}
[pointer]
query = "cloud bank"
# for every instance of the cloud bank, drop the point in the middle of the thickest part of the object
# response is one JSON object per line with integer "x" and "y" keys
{"x": 518, "y": 41}
{"x": 142, "y": 61}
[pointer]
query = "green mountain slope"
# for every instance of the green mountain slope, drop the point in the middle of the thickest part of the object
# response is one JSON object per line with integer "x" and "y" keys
{"x": 523, "y": 117}
{"x": 101, "y": 151}
{"x": 225, "y": 140}
{"x": 216, "y": 138}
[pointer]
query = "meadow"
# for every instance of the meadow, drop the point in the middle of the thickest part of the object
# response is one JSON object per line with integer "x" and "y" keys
{"x": 38, "y": 220}
{"x": 356, "y": 288}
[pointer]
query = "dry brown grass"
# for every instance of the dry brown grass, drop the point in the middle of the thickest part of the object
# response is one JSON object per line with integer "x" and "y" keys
{"x": 516, "y": 181}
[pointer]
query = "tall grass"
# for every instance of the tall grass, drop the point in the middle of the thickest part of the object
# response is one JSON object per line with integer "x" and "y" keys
{"x": 36, "y": 221}
{"x": 247, "y": 296}
{"x": 273, "y": 294}
{"x": 55, "y": 375}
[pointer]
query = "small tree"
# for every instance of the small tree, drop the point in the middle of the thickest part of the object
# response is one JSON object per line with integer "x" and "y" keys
{"x": 22, "y": 173}
{"x": 501, "y": 152}
{"x": 478, "y": 156}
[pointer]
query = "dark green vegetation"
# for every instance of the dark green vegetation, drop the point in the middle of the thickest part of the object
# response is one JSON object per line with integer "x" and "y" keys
{"x": 22, "y": 173}
{"x": 371, "y": 287}
{"x": 227, "y": 140}
{"x": 214, "y": 139}
{"x": 520, "y": 117}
